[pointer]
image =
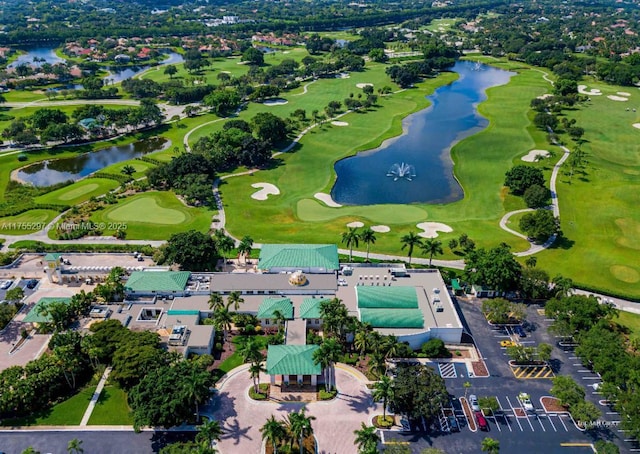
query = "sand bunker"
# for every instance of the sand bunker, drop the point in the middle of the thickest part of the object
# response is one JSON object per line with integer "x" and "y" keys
{"x": 355, "y": 224}
{"x": 266, "y": 189}
{"x": 617, "y": 98}
{"x": 326, "y": 199}
{"x": 535, "y": 155}
{"x": 275, "y": 102}
{"x": 582, "y": 89}
{"x": 342, "y": 76}
{"x": 636, "y": 125}
{"x": 381, "y": 228}
{"x": 364, "y": 85}
{"x": 623, "y": 93}
{"x": 431, "y": 229}
{"x": 339, "y": 123}
{"x": 545, "y": 96}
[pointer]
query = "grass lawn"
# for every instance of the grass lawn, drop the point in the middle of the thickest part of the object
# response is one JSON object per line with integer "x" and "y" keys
{"x": 630, "y": 320}
{"x": 154, "y": 216}
{"x": 140, "y": 166}
{"x": 111, "y": 408}
{"x": 235, "y": 360}
{"x": 78, "y": 192}
{"x": 67, "y": 413}
{"x": 27, "y": 222}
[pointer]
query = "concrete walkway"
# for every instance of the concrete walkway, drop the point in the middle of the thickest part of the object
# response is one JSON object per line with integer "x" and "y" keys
{"x": 95, "y": 397}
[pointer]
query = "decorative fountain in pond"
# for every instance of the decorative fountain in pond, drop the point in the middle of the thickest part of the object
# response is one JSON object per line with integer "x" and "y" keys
{"x": 402, "y": 171}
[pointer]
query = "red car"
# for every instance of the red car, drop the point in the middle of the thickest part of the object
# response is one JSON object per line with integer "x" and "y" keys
{"x": 482, "y": 421}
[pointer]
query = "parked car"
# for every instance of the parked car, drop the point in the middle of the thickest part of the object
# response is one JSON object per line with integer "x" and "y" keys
{"x": 404, "y": 422}
{"x": 453, "y": 424}
{"x": 507, "y": 343}
{"x": 5, "y": 285}
{"x": 482, "y": 421}
{"x": 525, "y": 400}
{"x": 473, "y": 401}
{"x": 32, "y": 283}
{"x": 519, "y": 331}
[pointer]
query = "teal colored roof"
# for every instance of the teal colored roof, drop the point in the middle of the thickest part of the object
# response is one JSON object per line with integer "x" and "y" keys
{"x": 292, "y": 360}
{"x": 182, "y": 312}
{"x": 393, "y": 318}
{"x": 270, "y": 305}
{"x": 299, "y": 256}
{"x": 159, "y": 281}
{"x": 394, "y": 297}
{"x": 52, "y": 257}
{"x": 310, "y": 308}
{"x": 455, "y": 284}
{"x": 34, "y": 315}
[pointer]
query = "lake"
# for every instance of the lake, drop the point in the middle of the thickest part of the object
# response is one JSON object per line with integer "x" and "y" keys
{"x": 416, "y": 166}
{"x": 41, "y": 54}
{"x": 47, "y": 173}
{"x": 120, "y": 73}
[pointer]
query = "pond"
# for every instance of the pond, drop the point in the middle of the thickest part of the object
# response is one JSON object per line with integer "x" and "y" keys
{"x": 416, "y": 166}
{"x": 120, "y": 73}
{"x": 36, "y": 56}
{"x": 47, "y": 173}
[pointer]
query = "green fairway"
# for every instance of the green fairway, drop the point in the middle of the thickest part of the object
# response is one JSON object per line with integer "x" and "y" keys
{"x": 140, "y": 167}
{"x": 153, "y": 216}
{"x": 112, "y": 408}
{"x": 67, "y": 413}
{"x": 630, "y": 320}
{"x": 27, "y": 222}
{"x": 78, "y": 192}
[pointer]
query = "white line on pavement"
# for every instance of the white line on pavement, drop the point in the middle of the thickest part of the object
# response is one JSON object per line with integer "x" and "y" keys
{"x": 504, "y": 415}
{"x": 514, "y": 414}
{"x": 562, "y": 421}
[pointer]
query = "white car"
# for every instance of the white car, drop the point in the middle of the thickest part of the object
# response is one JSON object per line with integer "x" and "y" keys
{"x": 525, "y": 400}
{"x": 5, "y": 285}
{"x": 473, "y": 401}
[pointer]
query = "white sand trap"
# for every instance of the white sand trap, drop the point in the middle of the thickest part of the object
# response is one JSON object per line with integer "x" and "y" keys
{"x": 636, "y": 125}
{"x": 355, "y": 224}
{"x": 535, "y": 155}
{"x": 343, "y": 76}
{"x": 275, "y": 102}
{"x": 545, "y": 96}
{"x": 364, "y": 85}
{"x": 381, "y": 228}
{"x": 623, "y": 93}
{"x": 327, "y": 199}
{"x": 431, "y": 229}
{"x": 266, "y": 189}
{"x": 339, "y": 123}
{"x": 582, "y": 89}
{"x": 226, "y": 72}
{"x": 617, "y": 98}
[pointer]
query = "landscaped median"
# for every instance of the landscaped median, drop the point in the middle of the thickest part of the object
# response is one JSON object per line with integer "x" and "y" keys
{"x": 468, "y": 414}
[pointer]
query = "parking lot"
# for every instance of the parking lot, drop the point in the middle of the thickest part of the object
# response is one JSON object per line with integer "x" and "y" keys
{"x": 516, "y": 428}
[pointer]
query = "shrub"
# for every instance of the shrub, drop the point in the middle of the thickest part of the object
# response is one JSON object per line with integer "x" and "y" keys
{"x": 324, "y": 395}
{"x": 383, "y": 423}
{"x": 263, "y": 393}
{"x": 434, "y": 348}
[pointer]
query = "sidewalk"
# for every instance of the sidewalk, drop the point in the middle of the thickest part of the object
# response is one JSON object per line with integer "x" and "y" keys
{"x": 95, "y": 397}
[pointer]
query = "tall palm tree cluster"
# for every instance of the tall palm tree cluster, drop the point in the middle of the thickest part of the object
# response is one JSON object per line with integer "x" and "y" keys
{"x": 428, "y": 246}
{"x": 222, "y": 316}
{"x": 283, "y": 436}
{"x": 251, "y": 353}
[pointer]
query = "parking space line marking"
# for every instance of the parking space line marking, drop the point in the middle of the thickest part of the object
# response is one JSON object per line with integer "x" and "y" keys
{"x": 514, "y": 413}
{"x": 551, "y": 422}
{"x": 504, "y": 414}
{"x": 495, "y": 421}
{"x": 563, "y": 424}
{"x": 612, "y": 413}
{"x": 591, "y": 378}
{"x": 540, "y": 421}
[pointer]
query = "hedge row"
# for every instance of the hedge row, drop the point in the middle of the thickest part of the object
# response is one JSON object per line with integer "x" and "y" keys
{"x": 38, "y": 246}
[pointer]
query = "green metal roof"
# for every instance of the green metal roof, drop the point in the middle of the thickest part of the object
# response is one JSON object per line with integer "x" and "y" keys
{"x": 393, "y": 318}
{"x": 182, "y": 312}
{"x": 52, "y": 257}
{"x": 292, "y": 360}
{"x": 455, "y": 284}
{"x": 310, "y": 308}
{"x": 394, "y": 297}
{"x": 159, "y": 281}
{"x": 34, "y": 315}
{"x": 299, "y": 256}
{"x": 270, "y": 305}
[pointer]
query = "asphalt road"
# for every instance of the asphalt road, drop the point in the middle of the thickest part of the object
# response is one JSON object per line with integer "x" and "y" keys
{"x": 55, "y": 442}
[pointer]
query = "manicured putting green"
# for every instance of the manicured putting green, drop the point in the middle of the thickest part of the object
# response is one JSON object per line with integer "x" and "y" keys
{"x": 78, "y": 192}
{"x": 146, "y": 209}
{"x": 625, "y": 274}
{"x": 29, "y": 221}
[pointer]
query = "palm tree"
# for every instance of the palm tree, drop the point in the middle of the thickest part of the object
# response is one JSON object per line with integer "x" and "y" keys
{"x": 299, "y": 426}
{"x": 466, "y": 385}
{"x": 279, "y": 319}
{"x": 389, "y": 346}
{"x": 362, "y": 338}
{"x": 431, "y": 247}
{"x": 490, "y": 446}
{"x": 30, "y": 450}
{"x": 196, "y": 386}
{"x": 254, "y": 370}
{"x": 350, "y": 238}
{"x": 245, "y": 247}
{"x": 222, "y": 321}
{"x": 562, "y": 286}
{"x": 367, "y": 439}
{"x": 75, "y": 446}
{"x": 377, "y": 364}
{"x": 273, "y": 431}
{"x": 368, "y": 237}
{"x": 249, "y": 350}
{"x": 128, "y": 170}
{"x": 209, "y": 432}
{"x": 215, "y": 301}
{"x": 410, "y": 240}
{"x": 383, "y": 390}
{"x": 234, "y": 299}
{"x": 224, "y": 243}
{"x": 328, "y": 354}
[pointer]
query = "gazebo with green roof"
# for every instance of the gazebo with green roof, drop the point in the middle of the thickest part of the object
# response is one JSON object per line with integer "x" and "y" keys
{"x": 308, "y": 258}
{"x": 269, "y": 306}
{"x": 157, "y": 283}
{"x": 294, "y": 363}
{"x": 38, "y": 314}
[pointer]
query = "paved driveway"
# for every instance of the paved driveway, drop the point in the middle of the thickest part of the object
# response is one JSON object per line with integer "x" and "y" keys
{"x": 335, "y": 421}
